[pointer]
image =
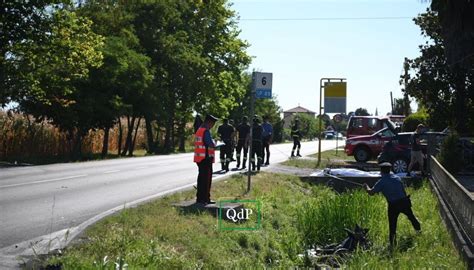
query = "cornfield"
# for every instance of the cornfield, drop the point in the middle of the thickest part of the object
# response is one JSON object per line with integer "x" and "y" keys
{"x": 22, "y": 139}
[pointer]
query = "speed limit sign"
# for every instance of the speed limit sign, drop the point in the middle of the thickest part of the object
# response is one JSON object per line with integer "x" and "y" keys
{"x": 337, "y": 118}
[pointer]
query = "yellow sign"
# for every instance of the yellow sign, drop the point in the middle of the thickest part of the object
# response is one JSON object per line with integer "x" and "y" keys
{"x": 335, "y": 89}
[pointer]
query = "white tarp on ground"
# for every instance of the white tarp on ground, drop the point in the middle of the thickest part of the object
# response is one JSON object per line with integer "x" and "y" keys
{"x": 350, "y": 173}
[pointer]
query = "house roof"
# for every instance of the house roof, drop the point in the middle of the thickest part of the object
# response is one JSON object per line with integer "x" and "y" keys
{"x": 299, "y": 109}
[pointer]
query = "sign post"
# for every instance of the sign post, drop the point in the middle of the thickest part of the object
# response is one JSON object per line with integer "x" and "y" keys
{"x": 335, "y": 90}
{"x": 337, "y": 119}
{"x": 261, "y": 88}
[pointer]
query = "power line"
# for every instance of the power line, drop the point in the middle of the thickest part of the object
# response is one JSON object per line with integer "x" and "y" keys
{"x": 327, "y": 19}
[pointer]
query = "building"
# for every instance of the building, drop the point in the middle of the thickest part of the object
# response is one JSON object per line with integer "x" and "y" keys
{"x": 289, "y": 114}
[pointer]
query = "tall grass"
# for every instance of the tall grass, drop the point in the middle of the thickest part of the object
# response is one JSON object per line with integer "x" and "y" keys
{"x": 23, "y": 139}
{"x": 294, "y": 215}
{"x": 323, "y": 221}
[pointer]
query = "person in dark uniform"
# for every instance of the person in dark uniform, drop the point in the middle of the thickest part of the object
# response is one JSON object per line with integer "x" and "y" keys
{"x": 257, "y": 132}
{"x": 204, "y": 155}
{"x": 296, "y": 134}
{"x": 234, "y": 140}
{"x": 267, "y": 137}
{"x": 226, "y": 132}
{"x": 243, "y": 141}
{"x": 393, "y": 190}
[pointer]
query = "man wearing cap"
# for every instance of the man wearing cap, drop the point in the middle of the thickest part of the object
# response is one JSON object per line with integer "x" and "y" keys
{"x": 393, "y": 190}
{"x": 204, "y": 155}
{"x": 416, "y": 154}
{"x": 226, "y": 132}
{"x": 296, "y": 134}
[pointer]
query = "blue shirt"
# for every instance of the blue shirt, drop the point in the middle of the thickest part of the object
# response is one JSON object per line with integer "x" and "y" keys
{"x": 391, "y": 187}
{"x": 267, "y": 129}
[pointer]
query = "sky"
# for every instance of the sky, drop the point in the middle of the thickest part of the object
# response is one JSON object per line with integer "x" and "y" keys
{"x": 369, "y": 53}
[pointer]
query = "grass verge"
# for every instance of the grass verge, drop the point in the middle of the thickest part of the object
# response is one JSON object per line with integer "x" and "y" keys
{"x": 327, "y": 157}
{"x": 295, "y": 214}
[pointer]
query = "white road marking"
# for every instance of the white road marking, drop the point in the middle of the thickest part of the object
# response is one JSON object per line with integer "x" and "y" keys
{"x": 142, "y": 167}
{"x": 111, "y": 171}
{"x": 44, "y": 181}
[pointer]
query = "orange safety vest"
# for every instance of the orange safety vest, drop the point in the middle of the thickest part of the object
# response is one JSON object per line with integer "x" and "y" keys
{"x": 200, "y": 147}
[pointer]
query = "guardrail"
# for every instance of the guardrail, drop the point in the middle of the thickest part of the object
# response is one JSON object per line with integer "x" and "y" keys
{"x": 460, "y": 204}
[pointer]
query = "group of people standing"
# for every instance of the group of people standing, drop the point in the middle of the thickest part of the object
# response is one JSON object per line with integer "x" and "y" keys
{"x": 238, "y": 140}
{"x": 204, "y": 148}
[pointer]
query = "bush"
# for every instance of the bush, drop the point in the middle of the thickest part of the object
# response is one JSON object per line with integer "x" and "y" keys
{"x": 450, "y": 154}
{"x": 413, "y": 120}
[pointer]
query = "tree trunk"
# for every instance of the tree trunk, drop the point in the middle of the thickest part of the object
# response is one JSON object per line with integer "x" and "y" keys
{"x": 132, "y": 146}
{"x": 169, "y": 140}
{"x": 460, "y": 106}
{"x": 105, "y": 144}
{"x": 128, "y": 140}
{"x": 182, "y": 136}
{"x": 149, "y": 136}
{"x": 119, "y": 138}
{"x": 77, "y": 145}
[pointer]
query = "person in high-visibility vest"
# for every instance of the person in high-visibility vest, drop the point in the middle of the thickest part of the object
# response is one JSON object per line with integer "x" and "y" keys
{"x": 204, "y": 155}
{"x": 296, "y": 134}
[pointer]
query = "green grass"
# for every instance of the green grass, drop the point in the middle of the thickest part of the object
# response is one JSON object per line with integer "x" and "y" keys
{"x": 327, "y": 157}
{"x": 295, "y": 214}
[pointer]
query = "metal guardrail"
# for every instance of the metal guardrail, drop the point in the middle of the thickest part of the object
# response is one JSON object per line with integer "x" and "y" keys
{"x": 459, "y": 200}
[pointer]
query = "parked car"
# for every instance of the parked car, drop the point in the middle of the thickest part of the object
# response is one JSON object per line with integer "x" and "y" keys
{"x": 398, "y": 150}
{"x": 363, "y": 148}
{"x": 368, "y": 125}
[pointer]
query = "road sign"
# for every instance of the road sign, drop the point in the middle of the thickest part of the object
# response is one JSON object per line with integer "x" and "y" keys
{"x": 335, "y": 94}
{"x": 337, "y": 118}
{"x": 263, "y": 85}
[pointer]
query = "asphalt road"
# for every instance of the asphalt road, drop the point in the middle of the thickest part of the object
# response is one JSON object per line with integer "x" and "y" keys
{"x": 39, "y": 200}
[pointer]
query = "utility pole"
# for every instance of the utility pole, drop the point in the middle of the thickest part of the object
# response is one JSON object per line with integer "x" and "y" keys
{"x": 391, "y": 100}
{"x": 406, "y": 101}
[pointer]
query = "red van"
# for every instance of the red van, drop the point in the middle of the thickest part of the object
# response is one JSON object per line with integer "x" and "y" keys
{"x": 368, "y": 125}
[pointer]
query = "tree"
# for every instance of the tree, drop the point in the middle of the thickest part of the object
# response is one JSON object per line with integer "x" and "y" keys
{"x": 445, "y": 92}
{"x": 50, "y": 71}
{"x": 361, "y": 112}
{"x": 457, "y": 30}
{"x": 22, "y": 23}
{"x": 399, "y": 106}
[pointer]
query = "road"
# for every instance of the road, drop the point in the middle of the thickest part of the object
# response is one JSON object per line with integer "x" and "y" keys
{"x": 39, "y": 200}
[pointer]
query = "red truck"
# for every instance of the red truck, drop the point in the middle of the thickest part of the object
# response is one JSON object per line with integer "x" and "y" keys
{"x": 365, "y": 147}
{"x": 367, "y": 125}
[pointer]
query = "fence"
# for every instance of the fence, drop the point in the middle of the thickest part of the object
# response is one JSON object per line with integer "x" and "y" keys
{"x": 460, "y": 204}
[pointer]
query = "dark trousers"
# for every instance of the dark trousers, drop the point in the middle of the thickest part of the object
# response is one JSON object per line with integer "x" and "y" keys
{"x": 204, "y": 181}
{"x": 266, "y": 148}
{"x": 296, "y": 143}
{"x": 240, "y": 146}
{"x": 256, "y": 150}
{"x": 226, "y": 154}
{"x": 394, "y": 209}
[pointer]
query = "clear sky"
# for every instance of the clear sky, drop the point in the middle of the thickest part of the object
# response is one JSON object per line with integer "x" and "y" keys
{"x": 368, "y": 53}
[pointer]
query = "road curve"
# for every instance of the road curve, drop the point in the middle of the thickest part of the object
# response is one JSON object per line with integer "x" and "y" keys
{"x": 39, "y": 200}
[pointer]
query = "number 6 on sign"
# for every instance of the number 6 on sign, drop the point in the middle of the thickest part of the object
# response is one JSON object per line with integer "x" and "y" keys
{"x": 263, "y": 85}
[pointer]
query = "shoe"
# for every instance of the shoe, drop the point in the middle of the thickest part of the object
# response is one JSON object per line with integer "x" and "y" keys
{"x": 298, "y": 155}
{"x": 267, "y": 163}
{"x": 292, "y": 155}
{"x": 232, "y": 159}
{"x": 211, "y": 202}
